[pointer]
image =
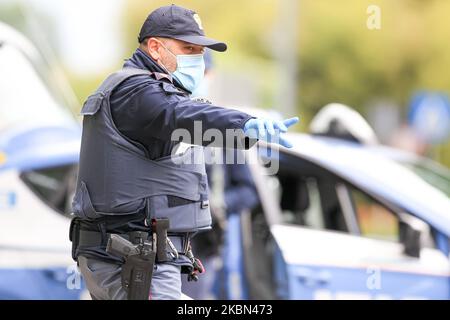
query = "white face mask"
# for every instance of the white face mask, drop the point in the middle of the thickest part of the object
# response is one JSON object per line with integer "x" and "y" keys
{"x": 190, "y": 70}
{"x": 202, "y": 90}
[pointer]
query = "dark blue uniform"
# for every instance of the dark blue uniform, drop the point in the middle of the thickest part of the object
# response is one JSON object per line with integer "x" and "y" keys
{"x": 147, "y": 110}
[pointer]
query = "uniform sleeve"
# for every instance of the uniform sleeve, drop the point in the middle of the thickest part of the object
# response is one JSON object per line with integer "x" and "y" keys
{"x": 158, "y": 109}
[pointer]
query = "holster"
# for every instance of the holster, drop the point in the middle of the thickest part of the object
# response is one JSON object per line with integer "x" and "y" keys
{"x": 137, "y": 272}
{"x": 139, "y": 256}
{"x": 74, "y": 236}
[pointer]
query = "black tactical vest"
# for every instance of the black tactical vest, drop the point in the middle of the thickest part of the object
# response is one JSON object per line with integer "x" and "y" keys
{"x": 117, "y": 178}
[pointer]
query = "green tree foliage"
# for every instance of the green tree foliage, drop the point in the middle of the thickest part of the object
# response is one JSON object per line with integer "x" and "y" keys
{"x": 342, "y": 60}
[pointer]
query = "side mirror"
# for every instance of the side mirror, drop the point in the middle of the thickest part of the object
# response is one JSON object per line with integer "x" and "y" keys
{"x": 412, "y": 232}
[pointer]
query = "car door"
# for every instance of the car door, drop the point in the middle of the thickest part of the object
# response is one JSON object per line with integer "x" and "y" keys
{"x": 331, "y": 240}
{"x": 35, "y": 261}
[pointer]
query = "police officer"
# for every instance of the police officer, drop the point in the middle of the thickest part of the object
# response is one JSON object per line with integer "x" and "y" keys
{"x": 138, "y": 202}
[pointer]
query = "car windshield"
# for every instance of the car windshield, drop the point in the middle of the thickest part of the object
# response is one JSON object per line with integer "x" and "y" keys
{"x": 436, "y": 175}
{"x": 24, "y": 96}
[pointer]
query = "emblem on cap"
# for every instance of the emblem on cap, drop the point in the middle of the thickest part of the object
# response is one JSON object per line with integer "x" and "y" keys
{"x": 198, "y": 20}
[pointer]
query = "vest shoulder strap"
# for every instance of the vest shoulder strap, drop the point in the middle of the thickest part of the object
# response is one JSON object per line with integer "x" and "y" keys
{"x": 94, "y": 101}
{"x": 120, "y": 76}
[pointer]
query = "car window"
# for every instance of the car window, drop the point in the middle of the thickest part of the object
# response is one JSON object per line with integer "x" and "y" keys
{"x": 377, "y": 221}
{"x": 374, "y": 219}
{"x": 307, "y": 195}
{"x": 313, "y": 213}
{"x": 437, "y": 176}
{"x": 55, "y": 186}
{"x": 301, "y": 202}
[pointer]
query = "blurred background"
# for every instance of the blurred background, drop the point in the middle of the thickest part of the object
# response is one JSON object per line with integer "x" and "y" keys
{"x": 387, "y": 60}
{"x": 292, "y": 56}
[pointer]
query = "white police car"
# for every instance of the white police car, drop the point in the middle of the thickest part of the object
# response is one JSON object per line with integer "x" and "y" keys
{"x": 340, "y": 220}
{"x": 39, "y": 146}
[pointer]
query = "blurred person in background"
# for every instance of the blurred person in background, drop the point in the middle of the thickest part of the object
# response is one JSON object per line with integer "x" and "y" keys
{"x": 232, "y": 191}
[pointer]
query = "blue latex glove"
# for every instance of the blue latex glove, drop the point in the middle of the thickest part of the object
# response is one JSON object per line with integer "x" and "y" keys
{"x": 269, "y": 130}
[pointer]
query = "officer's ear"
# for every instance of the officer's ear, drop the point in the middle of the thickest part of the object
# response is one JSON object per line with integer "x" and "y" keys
{"x": 153, "y": 47}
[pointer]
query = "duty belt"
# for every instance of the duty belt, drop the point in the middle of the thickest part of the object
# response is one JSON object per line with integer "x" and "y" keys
{"x": 140, "y": 250}
{"x": 176, "y": 244}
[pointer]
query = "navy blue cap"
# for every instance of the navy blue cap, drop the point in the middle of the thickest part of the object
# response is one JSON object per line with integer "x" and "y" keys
{"x": 178, "y": 23}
